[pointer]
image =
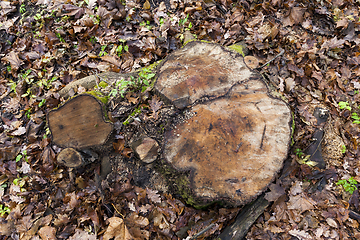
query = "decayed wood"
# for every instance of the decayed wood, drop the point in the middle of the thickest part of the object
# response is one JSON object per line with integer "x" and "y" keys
{"x": 79, "y": 123}
{"x": 91, "y": 81}
{"x": 246, "y": 218}
{"x": 69, "y": 157}
{"x": 234, "y": 144}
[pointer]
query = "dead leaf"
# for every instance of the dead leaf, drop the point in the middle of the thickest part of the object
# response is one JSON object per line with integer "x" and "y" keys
{"x": 25, "y": 168}
{"x": 17, "y": 199}
{"x": 119, "y": 145}
{"x": 275, "y": 192}
{"x": 91, "y": 4}
{"x": 332, "y": 222}
{"x": 116, "y": 230}
{"x": 82, "y": 235}
{"x": 14, "y": 60}
{"x": 295, "y": 17}
{"x": 132, "y": 207}
{"x": 7, "y": 228}
{"x": 47, "y": 233}
{"x": 146, "y": 5}
{"x": 301, "y": 235}
{"x": 296, "y": 188}
{"x": 145, "y": 208}
{"x": 333, "y": 43}
{"x": 153, "y": 195}
{"x": 112, "y": 59}
{"x": 289, "y": 84}
{"x": 18, "y": 132}
{"x": 301, "y": 202}
{"x": 155, "y": 105}
{"x": 137, "y": 220}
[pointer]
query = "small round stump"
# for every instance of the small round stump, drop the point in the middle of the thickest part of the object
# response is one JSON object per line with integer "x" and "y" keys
{"x": 234, "y": 136}
{"x": 79, "y": 123}
{"x": 71, "y": 158}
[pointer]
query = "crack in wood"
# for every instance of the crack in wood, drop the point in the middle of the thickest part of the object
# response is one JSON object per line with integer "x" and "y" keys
{"x": 263, "y": 137}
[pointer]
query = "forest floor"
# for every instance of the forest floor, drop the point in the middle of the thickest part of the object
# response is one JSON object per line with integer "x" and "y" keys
{"x": 46, "y": 44}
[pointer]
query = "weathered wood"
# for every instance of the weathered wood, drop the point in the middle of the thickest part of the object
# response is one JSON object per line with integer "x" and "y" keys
{"x": 69, "y": 157}
{"x": 79, "y": 123}
{"x": 234, "y": 137}
{"x": 91, "y": 81}
{"x": 199, "y": 70}
{"x": 248, "y": 215}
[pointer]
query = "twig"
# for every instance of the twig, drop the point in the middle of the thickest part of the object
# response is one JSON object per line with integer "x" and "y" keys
{"x": 281, "y": 53}
{"x": 202, "y": 231}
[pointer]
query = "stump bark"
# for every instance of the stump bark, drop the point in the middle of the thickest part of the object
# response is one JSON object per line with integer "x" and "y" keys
{"x": 233, "y": 137}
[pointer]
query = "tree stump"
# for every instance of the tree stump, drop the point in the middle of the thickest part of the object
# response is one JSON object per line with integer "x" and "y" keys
{"x": 77, "y": 125}
{"x": 232, "y": 138}
{"x": 70, "y": 158}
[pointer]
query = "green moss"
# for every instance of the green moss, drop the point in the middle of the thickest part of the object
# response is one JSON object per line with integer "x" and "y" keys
{"x": 154, "y": 65}
{"x": 292, "y": 128}
{"x": 182, "y": 184}
{"x": 103, "y": 84}
{"x": 237, "y": 48}
{"x": 190, "y": 40}
{"x": 98, "y": 95}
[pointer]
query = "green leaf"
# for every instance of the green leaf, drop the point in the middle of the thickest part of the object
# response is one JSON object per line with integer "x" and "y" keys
{"x": 16, "y": 181}
{"x": 18, "y": 158}
{"x": 344, "y": 105}
{"x": 113, "y": 93}
{"x": 42, "y": 102}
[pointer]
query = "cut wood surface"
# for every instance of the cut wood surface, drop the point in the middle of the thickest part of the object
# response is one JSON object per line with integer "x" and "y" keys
{"x": 70, "y": 158}
{"x": 232, "y": 145}
{"x": 199, "y": 70}
{"x": 79, "y": 123}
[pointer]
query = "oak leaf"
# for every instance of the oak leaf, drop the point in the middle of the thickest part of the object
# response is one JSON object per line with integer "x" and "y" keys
{"x": 301, "y": 202}
{"x": 82, "y": 235}
{"x": 14, "y": 60}
{"x": 116, "y": 230}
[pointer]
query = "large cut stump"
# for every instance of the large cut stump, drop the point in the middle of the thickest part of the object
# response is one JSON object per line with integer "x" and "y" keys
{"x": 79, "y": 123}
{"x": 234, "y": 137}
{"x": 199, "y": 70}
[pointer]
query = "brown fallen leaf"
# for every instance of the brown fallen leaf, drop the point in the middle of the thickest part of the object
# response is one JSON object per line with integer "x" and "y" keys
{"x": 146, "y": 5}
{"x": 301, "y": 202}
{"x": 153, "y": 195}
{"x": 14, "y": 60}
{"x": 47, "y": 233}
{"x": 275, "y": 192}
{"x": 112, "y": 59}
{"x": 300, "y": 234}
{"x": 116, "y": 230}
{"x": 82, "y": 235}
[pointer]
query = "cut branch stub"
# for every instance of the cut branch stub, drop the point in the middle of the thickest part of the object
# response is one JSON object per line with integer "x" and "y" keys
{"x": 79, "y": 123}
{"x": 234, "y": 145}
{"x": 199, "y": 70}
{"x": 70, "y": 158}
